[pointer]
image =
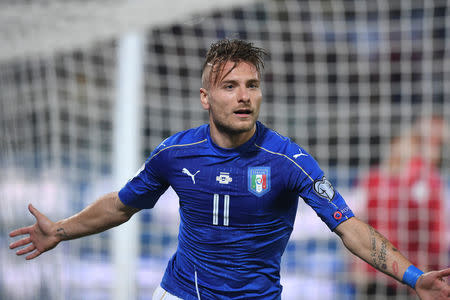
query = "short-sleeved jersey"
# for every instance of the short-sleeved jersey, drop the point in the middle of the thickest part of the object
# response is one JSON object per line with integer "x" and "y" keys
{"x": 237, "y": 209}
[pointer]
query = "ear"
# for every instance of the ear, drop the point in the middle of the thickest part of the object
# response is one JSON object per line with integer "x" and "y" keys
{"x": 204, "y": 98}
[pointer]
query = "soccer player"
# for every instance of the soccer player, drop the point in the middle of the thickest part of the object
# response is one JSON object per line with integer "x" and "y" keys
{"x": 404, "y": 198}
{"x": 238, "y": 183}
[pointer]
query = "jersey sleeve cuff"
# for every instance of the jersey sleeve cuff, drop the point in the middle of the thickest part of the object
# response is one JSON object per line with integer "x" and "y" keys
{"x": 126, "y": 195}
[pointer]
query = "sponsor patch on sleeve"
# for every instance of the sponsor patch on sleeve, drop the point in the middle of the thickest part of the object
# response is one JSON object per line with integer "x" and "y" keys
{"x": 337, "y": 215}
{"x": 324, "y": 189}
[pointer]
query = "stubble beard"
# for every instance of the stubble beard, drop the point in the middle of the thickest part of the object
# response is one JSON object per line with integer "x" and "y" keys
{"x": 231, "y": 130}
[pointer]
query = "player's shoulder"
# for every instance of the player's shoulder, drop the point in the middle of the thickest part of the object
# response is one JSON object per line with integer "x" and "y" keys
{"x": 289, "y": 153}
{"x": 185, "y": 138}
{"x": 273, "y": 141}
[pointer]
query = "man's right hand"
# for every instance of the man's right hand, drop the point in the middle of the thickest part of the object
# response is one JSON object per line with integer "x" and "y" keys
{"x": 42, "y": 236}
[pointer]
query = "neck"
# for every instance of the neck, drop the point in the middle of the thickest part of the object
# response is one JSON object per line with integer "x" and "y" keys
{"x": 225, "y": 139}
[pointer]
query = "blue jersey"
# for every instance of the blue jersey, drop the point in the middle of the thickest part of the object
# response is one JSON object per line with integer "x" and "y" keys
{"x": 237, "y": 209}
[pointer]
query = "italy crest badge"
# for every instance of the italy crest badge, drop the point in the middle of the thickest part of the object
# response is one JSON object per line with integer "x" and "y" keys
{"x": 259, "y": 180}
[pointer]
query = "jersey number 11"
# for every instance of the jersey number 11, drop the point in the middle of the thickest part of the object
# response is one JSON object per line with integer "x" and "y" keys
{"x": 226, "y": 209}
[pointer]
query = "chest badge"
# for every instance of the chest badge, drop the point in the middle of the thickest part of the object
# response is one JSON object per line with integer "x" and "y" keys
{"x": 259, "y": 180}
{"x": 224, "y": 178}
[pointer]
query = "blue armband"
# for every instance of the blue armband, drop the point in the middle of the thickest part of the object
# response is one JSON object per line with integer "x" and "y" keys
{"x": 411, "y": 275}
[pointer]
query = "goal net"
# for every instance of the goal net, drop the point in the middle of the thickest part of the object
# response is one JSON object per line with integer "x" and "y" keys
{"x": 362, "y": 85}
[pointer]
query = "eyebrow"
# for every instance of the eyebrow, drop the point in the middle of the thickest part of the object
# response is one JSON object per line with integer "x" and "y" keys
{"x": 236, "y": 81}
{"x": 254, "y": 80}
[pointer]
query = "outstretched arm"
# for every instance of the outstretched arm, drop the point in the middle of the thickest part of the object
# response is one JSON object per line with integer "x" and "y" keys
{"x": 368, "y": 244}
{"x": 106, "y": 212}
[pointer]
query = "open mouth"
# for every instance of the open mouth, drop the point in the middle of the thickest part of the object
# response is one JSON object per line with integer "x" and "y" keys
{"x": 243, "y": 112}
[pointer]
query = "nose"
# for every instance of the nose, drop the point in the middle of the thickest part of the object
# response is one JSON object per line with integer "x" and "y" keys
{"x": 244, "y": 95}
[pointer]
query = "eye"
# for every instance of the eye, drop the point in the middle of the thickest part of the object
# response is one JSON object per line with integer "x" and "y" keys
{"x": 253, "y": 85}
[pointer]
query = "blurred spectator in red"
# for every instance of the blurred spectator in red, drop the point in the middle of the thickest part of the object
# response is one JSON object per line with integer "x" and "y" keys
{"x": 404, "y": 198}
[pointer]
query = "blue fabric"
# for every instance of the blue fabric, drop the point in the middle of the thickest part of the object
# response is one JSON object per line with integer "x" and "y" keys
{"x": 237, "y": 209}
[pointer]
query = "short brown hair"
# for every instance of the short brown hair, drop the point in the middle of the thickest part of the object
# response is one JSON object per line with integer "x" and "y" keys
{"x": 234, "y": 50}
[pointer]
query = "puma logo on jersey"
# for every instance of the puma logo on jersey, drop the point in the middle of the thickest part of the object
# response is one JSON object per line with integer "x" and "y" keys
{"x": 186, "y": 171}
{"x": 300, "y": 154}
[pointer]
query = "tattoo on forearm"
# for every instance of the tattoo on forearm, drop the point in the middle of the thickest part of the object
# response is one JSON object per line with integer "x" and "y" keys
{"x": 373, "y": 253}
{"x": 382, "y": 255}
{"x": 378, "y": 256}
{"x": 61, "y": 233}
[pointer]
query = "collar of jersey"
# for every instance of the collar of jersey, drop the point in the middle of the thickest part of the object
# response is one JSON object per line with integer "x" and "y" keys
{"x": 238, "y": 150}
